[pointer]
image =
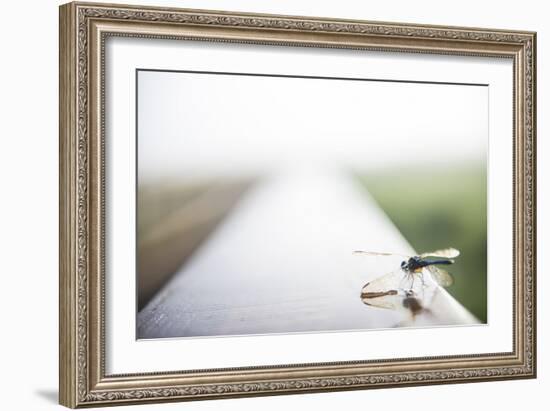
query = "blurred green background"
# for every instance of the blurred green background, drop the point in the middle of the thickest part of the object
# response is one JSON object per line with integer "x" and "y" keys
{"x": 438, "y": 208}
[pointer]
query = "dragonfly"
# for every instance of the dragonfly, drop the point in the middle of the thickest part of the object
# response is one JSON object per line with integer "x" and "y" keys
{"x": 406, "y": 288}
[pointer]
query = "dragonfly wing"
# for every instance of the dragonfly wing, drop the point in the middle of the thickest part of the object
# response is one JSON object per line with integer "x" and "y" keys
{"x": 445, "y": 253}
{"x": 402, "y": 290}
{"x": 375, "y": 253}
{"x": 385, "y": 291}
{"x": 442, "y": 277}
{"x": 392, "y": 300}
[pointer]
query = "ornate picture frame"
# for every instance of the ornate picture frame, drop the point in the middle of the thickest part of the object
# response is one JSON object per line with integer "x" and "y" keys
{"x": 84, "y": 29}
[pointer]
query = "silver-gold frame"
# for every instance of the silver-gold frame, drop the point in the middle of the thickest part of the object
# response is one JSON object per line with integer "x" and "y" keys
{"x": 83, "y": 30}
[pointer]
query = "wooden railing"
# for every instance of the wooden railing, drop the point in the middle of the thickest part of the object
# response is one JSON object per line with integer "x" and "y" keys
{"x": 283, "y": 262}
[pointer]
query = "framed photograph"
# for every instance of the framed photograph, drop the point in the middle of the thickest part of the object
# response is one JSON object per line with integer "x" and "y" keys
{"x": 260, "y": 204}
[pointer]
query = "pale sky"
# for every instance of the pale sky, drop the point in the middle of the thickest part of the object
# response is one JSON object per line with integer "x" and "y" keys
{"x": 198, "y": 124}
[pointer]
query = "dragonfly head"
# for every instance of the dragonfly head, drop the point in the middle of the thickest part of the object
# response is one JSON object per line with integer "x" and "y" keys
{"x": 411, "y": 264}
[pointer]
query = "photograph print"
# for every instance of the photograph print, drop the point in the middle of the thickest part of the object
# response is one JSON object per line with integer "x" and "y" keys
{"x": 276, "y": 204}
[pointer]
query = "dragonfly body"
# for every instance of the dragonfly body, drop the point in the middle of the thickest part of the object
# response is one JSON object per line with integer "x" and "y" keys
{"x": 417, "y": 263}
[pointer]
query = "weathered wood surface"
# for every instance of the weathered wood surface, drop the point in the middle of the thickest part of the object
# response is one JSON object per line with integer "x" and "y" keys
{"x": 282, "y": 262}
